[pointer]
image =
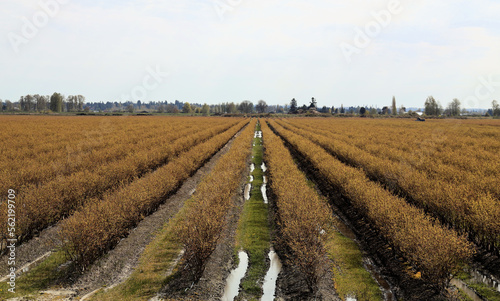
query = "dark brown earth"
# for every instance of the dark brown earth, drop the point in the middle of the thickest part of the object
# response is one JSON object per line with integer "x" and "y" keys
{"x": 290, "y": 284}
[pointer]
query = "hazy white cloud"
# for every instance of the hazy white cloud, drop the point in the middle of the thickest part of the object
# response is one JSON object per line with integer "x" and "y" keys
{"x": 273, "y": 50}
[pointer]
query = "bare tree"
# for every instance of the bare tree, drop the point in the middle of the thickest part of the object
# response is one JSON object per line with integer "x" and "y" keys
{"x": 172, "y": 109}
{"x": 130, "y": 108}
{"x": 454, "y": 107}
{"x": 40, "y": 102}
{"x": 205, "y": 110}
{"x": 261, "y": 106}
{"x": 495, "y": 108}
{"x": 432, "y": 107}
{"x": 231, "y": 108}
{"x": 79, "y": 102}
{"x": 9, "y": 106}
{"x": 70, "y": 103}
{"x": 246, "y": 107}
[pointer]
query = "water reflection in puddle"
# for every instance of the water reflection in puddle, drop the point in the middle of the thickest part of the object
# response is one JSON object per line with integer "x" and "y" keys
{"x": 252, "y": 167}
{"x": 251, "y": 178}
{"x": 383, "y": 284}
{"x": 264, "y": 195}
{"x": 248, "y": 187}
{"x": 234, "y": 279}
{"x": 490, "y": 281}
{"x": 269, "y": 285}
{"x": 263, "y": 167}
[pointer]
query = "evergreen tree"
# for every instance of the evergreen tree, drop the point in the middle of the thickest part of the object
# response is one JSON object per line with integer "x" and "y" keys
{"x": 313, "y": 104}
{"x": 293, "y": 106}
{"x": 394, "y": 109}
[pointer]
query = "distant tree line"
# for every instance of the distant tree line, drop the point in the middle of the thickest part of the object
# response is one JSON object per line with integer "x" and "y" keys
{"x": 312, "y": 107}
{"x": 76, "y": 103}
{"x": 434, "y": 108}
{"x": 431, "y": 108}
{"x": 175, "y": 107}
{"x": 41, "y": 103}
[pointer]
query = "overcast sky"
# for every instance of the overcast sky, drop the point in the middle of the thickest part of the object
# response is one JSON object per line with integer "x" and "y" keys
{"x": 356, "y": 52}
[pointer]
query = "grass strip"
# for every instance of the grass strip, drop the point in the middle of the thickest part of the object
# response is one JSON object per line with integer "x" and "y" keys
{"x": 349, "y": 275}
{"x": 150, "y": 276}
{"x": 253, "y": 234}
{"x": 346, "y": 260}
{"x": 482, "y": 289}
{"x": 38, "y": 279}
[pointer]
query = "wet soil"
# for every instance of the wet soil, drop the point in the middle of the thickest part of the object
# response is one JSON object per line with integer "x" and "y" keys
{"x": 119, "y": 263}
{"x": 290, "y": 284}
{"x": 388, "y": 261}
{"x": 213, "y": 281}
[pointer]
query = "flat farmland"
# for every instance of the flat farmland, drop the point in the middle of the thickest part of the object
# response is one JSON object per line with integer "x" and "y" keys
{"x": 143, "y": 207}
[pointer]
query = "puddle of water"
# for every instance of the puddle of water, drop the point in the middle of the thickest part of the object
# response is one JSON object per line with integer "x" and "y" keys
{"x": 269, "y": 285}
{"x": 234, "y": 279}
{"x": 248, "y": 187}
{"x": 264, "y": 179}
{"x": 461, "y": 285}
{"x": 344, "y": 229}
{"x": 251, "y": 178}
{"x": 490, "y": 281}
{"x": 252, "y": 167}
{"x": 264, "y": 195}
{"x": 350, "y": 299}
{"x": 263, "y": 167}
{"x": 384, "y": 285}
{"x": 258, "y": 134}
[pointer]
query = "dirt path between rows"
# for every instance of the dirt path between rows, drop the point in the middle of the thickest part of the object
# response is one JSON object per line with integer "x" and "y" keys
{"x": 213, "y": 281}
{"x": 117, "y": 264}
{"x": 34, "y": 249}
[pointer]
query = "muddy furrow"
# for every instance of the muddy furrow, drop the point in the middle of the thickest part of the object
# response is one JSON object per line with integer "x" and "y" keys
{"x": 290, "y": 284}
{"x": 213, "y": 281}
{"x": 118, "y": 263}
{"x": 486, "y": 259}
